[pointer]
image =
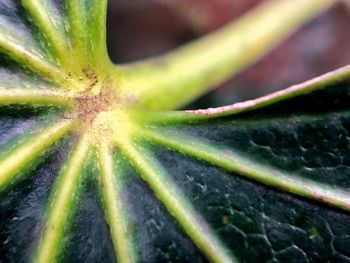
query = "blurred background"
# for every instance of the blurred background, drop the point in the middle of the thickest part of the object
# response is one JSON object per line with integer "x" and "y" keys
{"x": 138, "y": 29}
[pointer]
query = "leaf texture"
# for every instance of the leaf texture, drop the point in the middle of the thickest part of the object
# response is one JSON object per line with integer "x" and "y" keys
{"x": 86, "y": 176}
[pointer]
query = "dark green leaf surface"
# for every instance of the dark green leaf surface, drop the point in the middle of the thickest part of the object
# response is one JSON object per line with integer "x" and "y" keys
{"x": 84, "y": 177}
{"x": 255, "y": 221}
{"x": 306, "y": 137}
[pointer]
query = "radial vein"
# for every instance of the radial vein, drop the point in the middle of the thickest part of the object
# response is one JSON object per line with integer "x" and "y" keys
{"x": 61, "y": 204}
{"x": 20, "y": 157}
{"x": 97, "y": 26}
{"x": 78, "y": 25}
{"x": 177, "y": 204}
{"x": 34, "y": 62}
{"x": 116, "y": 214}
{"x": 39, "y": 12}
{"x": 36, "y": 96}
{"x": 262, "y": 173}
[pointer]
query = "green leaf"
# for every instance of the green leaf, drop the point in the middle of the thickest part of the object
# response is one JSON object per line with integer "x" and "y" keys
{"x": 291, "y": 143}
{"x": 297, "y": 145}
{"x": 90, "y": 172}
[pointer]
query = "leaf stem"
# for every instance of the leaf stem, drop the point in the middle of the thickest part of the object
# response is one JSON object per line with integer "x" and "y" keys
{"x": 177, "y": 78}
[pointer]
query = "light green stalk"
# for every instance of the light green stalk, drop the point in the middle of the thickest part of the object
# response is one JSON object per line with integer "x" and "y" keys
{"x": 173, "y": 80}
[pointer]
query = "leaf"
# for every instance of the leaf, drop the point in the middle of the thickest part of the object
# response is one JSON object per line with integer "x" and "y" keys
{"x": 89, "y": 174}
{"x": 226, "y": 159}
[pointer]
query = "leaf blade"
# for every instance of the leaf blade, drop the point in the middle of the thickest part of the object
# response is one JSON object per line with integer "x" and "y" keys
{"x": 61, "y": 204}
{"x": 243, "y": 166}
{"x": 115, "y": 212}
{"x": 39, "y": 12}
{"x": 176, "y": 204}
{"x": 28, "y": 151}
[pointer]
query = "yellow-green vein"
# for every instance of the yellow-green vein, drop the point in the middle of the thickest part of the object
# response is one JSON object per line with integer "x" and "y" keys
{"x": 97, "y": 11}
{"x": 114, "y": 208}
{"x": 40, "y": 13}
{"x": 77, "y": 17}
{"x": 34, "y": 62}
{"x": 36, "y": 97}
{"x": 242, "y": 165}
{"x": 61, "y": 204}
{"x": 177, "y": 204}
{"x": 20, "y": 157}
